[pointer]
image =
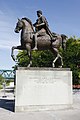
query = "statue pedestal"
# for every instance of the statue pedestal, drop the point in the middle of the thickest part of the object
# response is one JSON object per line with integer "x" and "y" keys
{"x": 43, "y": 89}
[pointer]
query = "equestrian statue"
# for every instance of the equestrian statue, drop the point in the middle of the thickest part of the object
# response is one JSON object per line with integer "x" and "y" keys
{"x": 40, "y": 38}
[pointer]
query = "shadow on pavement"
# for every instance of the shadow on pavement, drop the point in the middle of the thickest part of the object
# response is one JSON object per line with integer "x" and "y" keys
{"x": 7, "y": 104}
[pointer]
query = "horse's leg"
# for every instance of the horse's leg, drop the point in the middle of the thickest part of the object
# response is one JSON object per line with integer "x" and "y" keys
{"x": 56, "y": 53}
{"x": 59, "y": 56}
{"x": 12, "y": 51}
{"x": 28, "y": 47}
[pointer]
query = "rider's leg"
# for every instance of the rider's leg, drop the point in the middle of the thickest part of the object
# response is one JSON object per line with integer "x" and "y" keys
{"x": 41, "y": 32}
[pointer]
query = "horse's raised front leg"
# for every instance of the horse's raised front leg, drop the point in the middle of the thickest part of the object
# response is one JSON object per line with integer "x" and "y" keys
{"x": 12, "y": 51}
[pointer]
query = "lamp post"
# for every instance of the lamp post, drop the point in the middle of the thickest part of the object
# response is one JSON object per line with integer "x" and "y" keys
{"x": 4, "y": 86}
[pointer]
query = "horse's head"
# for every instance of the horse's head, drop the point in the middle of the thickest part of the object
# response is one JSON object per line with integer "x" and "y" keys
{"x": 19, "y": 26}
{"x": 24, "y": 22}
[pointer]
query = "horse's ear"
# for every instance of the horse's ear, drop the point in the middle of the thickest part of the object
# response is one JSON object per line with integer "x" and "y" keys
{"x": 19, "y": 19}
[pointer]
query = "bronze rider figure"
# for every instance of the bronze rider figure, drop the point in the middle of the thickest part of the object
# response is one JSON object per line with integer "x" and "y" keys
{"x": 41, "y": 28}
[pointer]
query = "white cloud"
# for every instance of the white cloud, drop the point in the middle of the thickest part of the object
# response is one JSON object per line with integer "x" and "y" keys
{"x": 7, "y": 36}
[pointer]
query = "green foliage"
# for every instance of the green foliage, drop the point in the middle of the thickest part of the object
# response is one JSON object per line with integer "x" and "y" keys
{"x": 1, "y": 81}
{"x": 22, "y": 58}
{"x": 71, "y": 57}
{"x": 40, "y": 58}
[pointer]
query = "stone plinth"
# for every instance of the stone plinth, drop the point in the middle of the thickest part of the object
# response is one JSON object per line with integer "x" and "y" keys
{"x": 43, "y": 89}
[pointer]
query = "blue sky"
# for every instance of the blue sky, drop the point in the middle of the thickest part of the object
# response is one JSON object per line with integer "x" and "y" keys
{"x": 63, "y": 17}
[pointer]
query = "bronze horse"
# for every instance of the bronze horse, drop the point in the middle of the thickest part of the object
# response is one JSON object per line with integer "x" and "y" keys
{"x": 43, "y": 42}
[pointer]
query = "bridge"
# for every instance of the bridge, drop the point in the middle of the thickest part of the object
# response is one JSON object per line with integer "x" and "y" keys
{"x": 7, "y": 74}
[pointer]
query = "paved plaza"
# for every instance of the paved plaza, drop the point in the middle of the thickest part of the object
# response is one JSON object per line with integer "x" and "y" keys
{"x": 7, "y": 109}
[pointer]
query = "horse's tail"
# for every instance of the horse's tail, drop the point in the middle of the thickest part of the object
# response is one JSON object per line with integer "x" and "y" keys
{"x": 64, "y": 39}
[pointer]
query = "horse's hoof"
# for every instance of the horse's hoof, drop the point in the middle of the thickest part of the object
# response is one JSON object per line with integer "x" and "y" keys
{"x": 35, "y": 48}
{"x": 28, "y": 66}
{"x": 53, "y": 65}
{"x": 13, "y": 57}
{"x": 60, "y": 66}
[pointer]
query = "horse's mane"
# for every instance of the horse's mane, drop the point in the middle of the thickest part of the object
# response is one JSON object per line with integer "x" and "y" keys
{"x": 28, "y": 20}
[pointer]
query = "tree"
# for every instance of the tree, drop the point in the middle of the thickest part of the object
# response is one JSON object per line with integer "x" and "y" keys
{"x": 40, "y": 58}
{"x": 71, "y": 57}
{"x": 1, "y": 81}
